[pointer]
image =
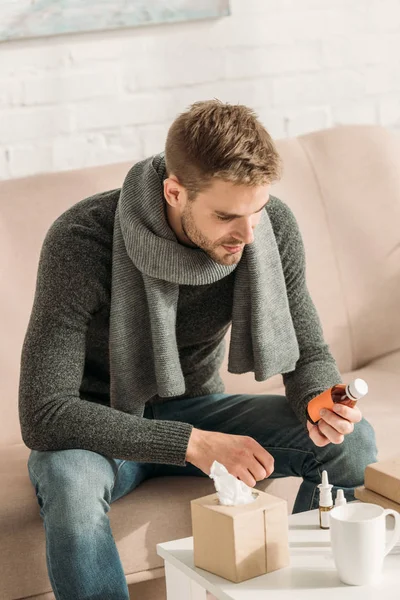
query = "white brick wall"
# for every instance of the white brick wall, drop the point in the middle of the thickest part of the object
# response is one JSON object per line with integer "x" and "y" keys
{"x": 79, "y": 100}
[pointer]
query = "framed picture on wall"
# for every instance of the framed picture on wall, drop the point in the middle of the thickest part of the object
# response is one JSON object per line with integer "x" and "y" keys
{"x": 38, "y": 18}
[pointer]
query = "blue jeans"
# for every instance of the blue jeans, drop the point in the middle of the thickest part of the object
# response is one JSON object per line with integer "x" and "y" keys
{"x": 75, "y": 488}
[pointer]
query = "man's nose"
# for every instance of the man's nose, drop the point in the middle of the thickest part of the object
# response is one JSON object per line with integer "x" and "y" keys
{"x": 246, "y": 231}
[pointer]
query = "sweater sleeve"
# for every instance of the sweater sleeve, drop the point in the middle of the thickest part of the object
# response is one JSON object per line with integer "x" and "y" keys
{"x": 316, "y": 369}
{"x": 74, "y": 264}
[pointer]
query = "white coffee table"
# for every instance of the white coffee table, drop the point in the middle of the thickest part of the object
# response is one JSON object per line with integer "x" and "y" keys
{"x": 310, "y": 576}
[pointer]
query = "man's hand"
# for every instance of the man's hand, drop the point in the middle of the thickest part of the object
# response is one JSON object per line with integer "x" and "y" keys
{"x": 334, "y": 424}
{"x": 244, "y": 458}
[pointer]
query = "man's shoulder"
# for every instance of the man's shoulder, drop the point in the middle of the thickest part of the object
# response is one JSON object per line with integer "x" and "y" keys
{"x": 281, "y": 216}
{"x": 287, "y": 234}
{"x": 88, "y": 222}
{"x": 77, "y": 251}
{"x": 97, "y": 211}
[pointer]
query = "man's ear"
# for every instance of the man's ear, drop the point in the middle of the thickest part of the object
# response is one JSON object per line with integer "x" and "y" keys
{"x": 174, "y": 192}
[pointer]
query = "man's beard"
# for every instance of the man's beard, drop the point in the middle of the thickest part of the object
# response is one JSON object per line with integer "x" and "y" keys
{"x": 201, "y": 241}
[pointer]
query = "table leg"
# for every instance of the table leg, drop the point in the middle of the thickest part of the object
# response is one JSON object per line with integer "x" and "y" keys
{"x": 180, "y": 586}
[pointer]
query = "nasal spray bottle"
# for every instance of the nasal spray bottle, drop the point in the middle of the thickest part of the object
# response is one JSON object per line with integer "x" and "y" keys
{"x": 340, "y": 499}
{"x": 325, "y": 501}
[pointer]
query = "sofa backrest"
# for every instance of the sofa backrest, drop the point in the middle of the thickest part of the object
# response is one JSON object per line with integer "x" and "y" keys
{"x": 343, "y": 186}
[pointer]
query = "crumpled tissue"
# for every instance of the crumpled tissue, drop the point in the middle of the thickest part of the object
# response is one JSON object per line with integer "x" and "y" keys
{"x": 230, "y": 490}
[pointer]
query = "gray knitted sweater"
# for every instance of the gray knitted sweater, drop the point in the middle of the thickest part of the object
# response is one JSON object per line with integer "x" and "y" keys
{"x": 64, "y": 391}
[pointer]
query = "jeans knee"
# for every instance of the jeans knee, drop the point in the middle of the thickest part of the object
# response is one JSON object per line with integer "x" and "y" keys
{"x": 361, "y": 445}
{"x": 71, "y": 487}
{"x": 357, "y": 451}
{"x": 364, "y": 442}
{"x": 346, "y": 462}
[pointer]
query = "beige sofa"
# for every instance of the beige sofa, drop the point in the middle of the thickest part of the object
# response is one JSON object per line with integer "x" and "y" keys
{"x": 343, "y": 185}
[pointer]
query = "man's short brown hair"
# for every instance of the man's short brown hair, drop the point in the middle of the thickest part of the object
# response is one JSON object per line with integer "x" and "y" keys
{"x": 225, "y": 141}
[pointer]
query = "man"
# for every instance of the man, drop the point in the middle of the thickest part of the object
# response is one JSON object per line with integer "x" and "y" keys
{"x": 136, "y": 290}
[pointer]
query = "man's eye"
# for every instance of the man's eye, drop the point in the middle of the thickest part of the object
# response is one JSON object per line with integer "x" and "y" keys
{"x": 224, "y": 218}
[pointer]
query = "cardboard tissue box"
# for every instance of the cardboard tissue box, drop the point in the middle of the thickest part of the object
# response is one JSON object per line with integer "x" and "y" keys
{"x": 365, "y": 495}
{"x": 384, "y": 478}
{"x": 240, "y": 541}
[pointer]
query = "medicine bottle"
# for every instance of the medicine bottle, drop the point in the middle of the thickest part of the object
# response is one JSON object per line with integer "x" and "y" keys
{"x": 340, "y": 393}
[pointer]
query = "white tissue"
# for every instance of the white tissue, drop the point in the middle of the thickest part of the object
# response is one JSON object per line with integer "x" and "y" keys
{"x": 231, "y": 491}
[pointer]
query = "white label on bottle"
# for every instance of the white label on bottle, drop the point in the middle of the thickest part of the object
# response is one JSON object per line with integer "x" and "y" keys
{"x": 325, "y": 518}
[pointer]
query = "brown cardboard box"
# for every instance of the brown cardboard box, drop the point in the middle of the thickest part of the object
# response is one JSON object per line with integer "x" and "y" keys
{"x": 240, "y": 542}
{"x": 361, "y": 493}
{"x": 384, "y": 478}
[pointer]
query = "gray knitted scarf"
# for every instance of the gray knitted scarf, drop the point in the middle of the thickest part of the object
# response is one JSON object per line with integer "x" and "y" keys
{"x": 149, "y": 264}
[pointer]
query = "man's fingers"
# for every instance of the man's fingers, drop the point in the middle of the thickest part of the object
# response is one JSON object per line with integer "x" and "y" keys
{"x": 337, "y": 422}
{"x": 329, "y": 432}
{"x": 256, "y": 470}
{"x": 247, "y": 478}
{"x": 317, "y": 437}
{"x": 266, "y": 461}
{"x": 353, "y": 415}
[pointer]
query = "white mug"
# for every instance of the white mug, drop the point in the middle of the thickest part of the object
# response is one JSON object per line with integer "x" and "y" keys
{"x": 358, "y": 540}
